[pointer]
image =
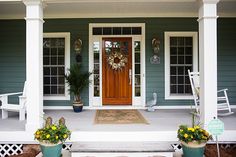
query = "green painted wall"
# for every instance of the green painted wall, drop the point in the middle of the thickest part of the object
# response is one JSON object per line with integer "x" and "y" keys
{"x": 12, "y": 44}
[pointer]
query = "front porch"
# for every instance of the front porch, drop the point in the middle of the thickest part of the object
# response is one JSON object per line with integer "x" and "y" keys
{"x": 163, "y": 124}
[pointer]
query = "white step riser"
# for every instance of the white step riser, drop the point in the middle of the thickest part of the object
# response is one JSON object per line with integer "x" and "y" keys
{"x": 158, "y": 154}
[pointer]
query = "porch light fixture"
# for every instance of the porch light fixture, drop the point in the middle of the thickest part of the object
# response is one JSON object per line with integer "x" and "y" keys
{"x": 78, "y": 46}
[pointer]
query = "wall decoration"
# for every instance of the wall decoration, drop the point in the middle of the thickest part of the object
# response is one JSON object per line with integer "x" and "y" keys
{"x": 155, "y": 59}
{"x": 117, "y": 60}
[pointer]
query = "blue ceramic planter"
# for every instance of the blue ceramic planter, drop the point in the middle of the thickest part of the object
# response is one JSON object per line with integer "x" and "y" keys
{"x": 196, "y": 151}
{"x": 51, "y": 151}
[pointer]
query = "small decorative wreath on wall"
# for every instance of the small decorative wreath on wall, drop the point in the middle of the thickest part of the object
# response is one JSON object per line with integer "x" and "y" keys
{"x": 117, "y": 60}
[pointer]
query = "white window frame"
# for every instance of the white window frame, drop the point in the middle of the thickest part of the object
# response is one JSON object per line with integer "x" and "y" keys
{"x": 168, "y": 95}
{"x": 65, "y": 35}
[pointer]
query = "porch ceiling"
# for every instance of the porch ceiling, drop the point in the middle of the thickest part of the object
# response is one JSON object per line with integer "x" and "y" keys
{"x": 15, "y": 9}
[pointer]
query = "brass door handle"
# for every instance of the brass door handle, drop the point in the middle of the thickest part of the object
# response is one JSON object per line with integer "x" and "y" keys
{"x": 130, "y": 76}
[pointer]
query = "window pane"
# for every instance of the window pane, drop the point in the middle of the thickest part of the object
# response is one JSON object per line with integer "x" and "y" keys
{"x": 96, "y": 91}
{"x": 188, "y": 50}
{"x": 173, "y": 50}
{"x": 46, "y": 61}
{"x": 180, "y": 89}
{"x": 137, "y": 68}
{"x": 173, "y": 41}
{"x": 53, "y": 60}
{"x": 54, "y": 90}
{"x": 173, "y": 80}
{"x": 116, "y": 30}
{"x": 61, "y": 90}
{"x": 180, "y": 79}
{"x": 53, "y": 71}
{"x": 188, "y": 41}
{"x": 107, "y": 31}
{"x": 97, "y": 31}
{"x": 136, "y": 30}
{"x": 188, "y": 60}
{"x": 137, "y": 57}
{"x": 46, "y": 51}
{"x": 180, "y": 59}
{"x": 172, "y": 70}
{"x": 61, "y": 71}
{"x": 46, "y": 80}
{"x": 137, "y": 79}
{"x": 173, "y": 89}
{"x": 137, "y": 91}
{"x": 180, "y": 50}
{"x": 46, "y": 71}
{"x": 180, "y": 41}
{"x": 46, "y": 90}
{"x": 53, "y": 80}
{"x": 180, "y": 70}
{"x": 173, "y": 60}
{"x": 61, "y": 80}
{"x": 188, "y": 89}
{"x": 61, "y": 61}
{"x": 126, "y": 30}
{"x": 96, "y": 57}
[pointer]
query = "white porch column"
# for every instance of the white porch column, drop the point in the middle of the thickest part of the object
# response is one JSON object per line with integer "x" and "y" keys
{"x": 208, "y": 59}
{"x": 34, "y": 63}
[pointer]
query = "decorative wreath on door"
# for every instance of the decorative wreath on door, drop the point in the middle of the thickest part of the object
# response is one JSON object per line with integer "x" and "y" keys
{"x": 117, "y": 60}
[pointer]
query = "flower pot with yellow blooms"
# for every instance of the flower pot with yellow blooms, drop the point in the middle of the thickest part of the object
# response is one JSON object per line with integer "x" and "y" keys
{"x": 52, "y": 136}
{"x": 193, "y": 140}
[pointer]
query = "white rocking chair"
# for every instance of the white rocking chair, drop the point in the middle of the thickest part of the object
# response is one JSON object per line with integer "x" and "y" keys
{"x": 21, "y": 107}
{"x": 223, "y": 106}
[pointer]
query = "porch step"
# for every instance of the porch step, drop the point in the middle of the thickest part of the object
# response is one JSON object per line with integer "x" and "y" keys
{"x": 124, "y": 149}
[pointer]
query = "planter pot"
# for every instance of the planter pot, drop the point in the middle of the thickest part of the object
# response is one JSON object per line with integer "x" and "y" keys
{"x": 193, "y": 149}
{"x": 78, "y": 107}
{"x": 51, "y": 150}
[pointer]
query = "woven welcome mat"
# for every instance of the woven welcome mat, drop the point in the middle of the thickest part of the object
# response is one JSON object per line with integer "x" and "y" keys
{"x": 119, "y": 117}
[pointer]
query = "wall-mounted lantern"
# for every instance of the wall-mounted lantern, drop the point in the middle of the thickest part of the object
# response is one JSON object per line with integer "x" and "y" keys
{"x": 155, "y": 59}
{"x": 78, "y": 48}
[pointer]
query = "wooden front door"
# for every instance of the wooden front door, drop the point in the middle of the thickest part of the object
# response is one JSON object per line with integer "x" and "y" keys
{"x": 117, "y": 71}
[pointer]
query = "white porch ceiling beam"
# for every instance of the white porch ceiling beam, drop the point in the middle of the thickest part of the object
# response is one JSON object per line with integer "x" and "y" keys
{"x": 208, "y": 60}
{"x": 34, "y": 64}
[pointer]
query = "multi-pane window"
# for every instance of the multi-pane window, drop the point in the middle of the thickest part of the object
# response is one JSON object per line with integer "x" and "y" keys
{"x": 180, "y": 55}
{"x": 56, "y": 61}
{"x": 181, "y": 59}
{"x": 96, "y": 75}
{"x": 54, "y": 66}
{"x": 137, "y": 67}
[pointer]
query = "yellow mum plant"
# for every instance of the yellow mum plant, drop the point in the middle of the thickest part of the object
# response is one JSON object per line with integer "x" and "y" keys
{"x": 53, "y": 133}
{"x": 193, "y": 134}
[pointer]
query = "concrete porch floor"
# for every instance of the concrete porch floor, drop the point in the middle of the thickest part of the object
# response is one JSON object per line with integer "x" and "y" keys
{"x": 160, "y": 120}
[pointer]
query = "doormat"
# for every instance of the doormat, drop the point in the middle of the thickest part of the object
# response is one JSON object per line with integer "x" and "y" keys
{"x": 119, "y": 117}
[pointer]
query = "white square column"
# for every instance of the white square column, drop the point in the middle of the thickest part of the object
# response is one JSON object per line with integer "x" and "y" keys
{"x": 208, "y": 60}
{"x": 34, "y": 64}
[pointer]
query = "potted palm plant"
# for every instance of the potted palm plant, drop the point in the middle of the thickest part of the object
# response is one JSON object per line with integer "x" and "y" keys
{"x": 78, "y": 81}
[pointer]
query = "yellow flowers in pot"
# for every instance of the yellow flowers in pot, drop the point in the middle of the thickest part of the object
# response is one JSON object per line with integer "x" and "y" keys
{"x": 193, "y": 134}
{"x": 53, "y": 133}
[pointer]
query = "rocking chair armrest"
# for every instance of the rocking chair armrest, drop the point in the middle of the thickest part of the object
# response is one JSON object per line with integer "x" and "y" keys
{"x": 222, "y": 90}
{"x": 9, "y": 94}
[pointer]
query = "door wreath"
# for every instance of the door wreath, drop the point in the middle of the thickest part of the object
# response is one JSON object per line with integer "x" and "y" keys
{"x": 117, "y": 60}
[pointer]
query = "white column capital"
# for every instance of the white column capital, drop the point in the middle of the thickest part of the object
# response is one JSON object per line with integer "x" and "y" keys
{"x": 33, "y": 2}
{"x": 207, "y": 9}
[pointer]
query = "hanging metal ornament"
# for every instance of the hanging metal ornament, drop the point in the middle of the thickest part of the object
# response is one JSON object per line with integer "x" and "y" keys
{"x": 117, "y": 60}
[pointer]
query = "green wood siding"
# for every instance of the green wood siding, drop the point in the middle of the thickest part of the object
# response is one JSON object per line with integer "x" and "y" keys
{"x": 12, "y": 52}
